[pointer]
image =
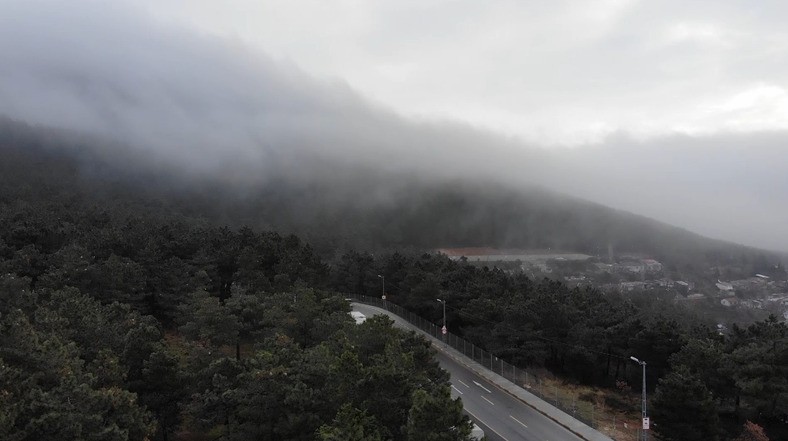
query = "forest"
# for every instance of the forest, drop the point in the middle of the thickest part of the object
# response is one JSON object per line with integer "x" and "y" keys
{"x": 107, "y": 338}
{"x": 588, "y": 337}
{"x": 337, "y": 207}
{"x": 126, "y": 314}
{"x": 122, "y": 320}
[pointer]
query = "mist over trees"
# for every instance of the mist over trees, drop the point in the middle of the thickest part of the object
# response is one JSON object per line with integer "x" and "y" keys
{"x": 182, "y": 217}
{"x": 125, "y": 325}
{"x": 146, "y": 304}
{"x": 206, "y": 106}
{"x": 333, "y": 205}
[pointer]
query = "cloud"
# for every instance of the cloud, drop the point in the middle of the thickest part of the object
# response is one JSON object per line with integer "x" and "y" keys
{"x": 217, "y": 105}
{"x": 205, "y": 103}
{"x": 727, "y": 186}
{"x": 548, "y": 72}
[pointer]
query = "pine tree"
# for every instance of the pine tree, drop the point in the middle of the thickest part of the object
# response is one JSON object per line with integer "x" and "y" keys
{"x": 437, "y": 417}
{"x": 683, "y": 409}
{"x": 350, "y": 424}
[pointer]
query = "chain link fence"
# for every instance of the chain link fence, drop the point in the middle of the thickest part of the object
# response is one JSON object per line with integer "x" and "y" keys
{"x": 538, "y": 382}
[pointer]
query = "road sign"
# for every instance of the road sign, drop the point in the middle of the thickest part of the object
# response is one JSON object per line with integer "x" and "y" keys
{"x": 383, "y": 297}
{"x": 645, "y": 423}
{"x": 444, "y": 330}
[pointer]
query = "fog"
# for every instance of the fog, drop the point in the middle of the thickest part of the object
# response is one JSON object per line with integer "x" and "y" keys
{"x": 203, "y": 103}
{"x": 728, "y": 186}
{"x": 211, "y": 106}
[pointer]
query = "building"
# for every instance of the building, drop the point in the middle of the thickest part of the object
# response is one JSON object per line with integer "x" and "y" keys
{"x": 724, "y": 286}
{"x": 631, "y": 286}
{"x": 729, "y": 301}
{"x": 663, "y": 283}
{"x": 487, "y": 254}
{"x": 630, "y": 267}
{"x": 652, "y": 266}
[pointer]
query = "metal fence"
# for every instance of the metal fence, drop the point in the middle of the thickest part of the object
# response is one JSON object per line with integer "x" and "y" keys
{"x": 540, "y": 383}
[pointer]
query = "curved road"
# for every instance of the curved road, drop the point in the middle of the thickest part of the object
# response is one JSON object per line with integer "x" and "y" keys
{"x": 501, "y": 415}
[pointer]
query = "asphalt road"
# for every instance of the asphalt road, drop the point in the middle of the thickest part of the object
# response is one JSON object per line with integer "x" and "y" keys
{"x": 502, "y": 416}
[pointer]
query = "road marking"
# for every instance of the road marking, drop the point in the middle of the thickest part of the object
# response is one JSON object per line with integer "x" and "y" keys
{"x": 485, "y": 399}
{"x": 458, "y": 391}
{"x": 479, "y": 384}
{"x": 521, "y": 423}
{"x": 406, "y": 325}
{"x": 488, "y": 426}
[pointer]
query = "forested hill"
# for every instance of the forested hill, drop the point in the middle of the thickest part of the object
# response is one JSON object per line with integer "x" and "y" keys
{"x": 121, "y": 320}
{"x": 132, "y": 309}
{"x": 337, "y": 206}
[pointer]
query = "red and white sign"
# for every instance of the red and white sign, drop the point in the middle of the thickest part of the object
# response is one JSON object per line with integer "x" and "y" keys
{"x": 645, "y": 423}
{"x": 444, "y": 330}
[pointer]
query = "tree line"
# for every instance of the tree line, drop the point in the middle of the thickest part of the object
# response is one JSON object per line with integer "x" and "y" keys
{"x": 704, "y": 380}
{"x": 125, "y": 327}
{"x": 128, "y": 312}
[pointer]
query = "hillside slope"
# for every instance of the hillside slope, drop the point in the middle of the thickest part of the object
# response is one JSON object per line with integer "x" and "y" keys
{"x": 337, "y": 206}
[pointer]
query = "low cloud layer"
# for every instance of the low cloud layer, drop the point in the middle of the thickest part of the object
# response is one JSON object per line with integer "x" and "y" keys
{"x": 560, "y": 71}
{"x": 728, "y": 186}
{"x": 209, "y": 105}
{"x": 201, "y": 102}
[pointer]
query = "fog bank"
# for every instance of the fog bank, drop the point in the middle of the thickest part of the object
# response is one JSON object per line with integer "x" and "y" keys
{"x": 212, "y": 106}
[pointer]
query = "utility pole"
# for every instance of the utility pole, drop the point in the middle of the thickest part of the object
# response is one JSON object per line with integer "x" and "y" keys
{"x": 645, "y": 422}
{"x": 383, "y": 279}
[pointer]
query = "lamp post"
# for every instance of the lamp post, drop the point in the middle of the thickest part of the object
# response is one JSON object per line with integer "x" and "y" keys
{"x": 444, "y": 330}
{"x": 383, "y": 279}
{"x": 645, "y": 421}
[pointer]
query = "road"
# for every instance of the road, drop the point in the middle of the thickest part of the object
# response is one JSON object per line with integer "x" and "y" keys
{"x": 502, "y": 416}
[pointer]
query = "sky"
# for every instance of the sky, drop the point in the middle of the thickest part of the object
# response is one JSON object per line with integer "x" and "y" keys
{"x": 673, "y": 110}
{"x": 550, "y": 72}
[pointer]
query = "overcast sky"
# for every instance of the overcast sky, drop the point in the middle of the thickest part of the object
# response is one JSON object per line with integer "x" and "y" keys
{"x": 674, "y": 110}
{"x": 552, "y": 72}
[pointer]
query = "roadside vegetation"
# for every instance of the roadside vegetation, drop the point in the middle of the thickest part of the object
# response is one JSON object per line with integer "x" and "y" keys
{"x": 125, "y": 314}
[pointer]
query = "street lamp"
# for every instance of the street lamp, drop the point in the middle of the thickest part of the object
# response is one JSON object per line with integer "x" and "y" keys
{"x": 443, "y": 330}
{"x": 383, "y": 279}
{"x": 643, "y": 405}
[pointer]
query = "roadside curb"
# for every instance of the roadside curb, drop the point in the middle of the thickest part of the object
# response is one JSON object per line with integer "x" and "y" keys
{"x": 475, "y": 367}
{"x": 505, "y": 385}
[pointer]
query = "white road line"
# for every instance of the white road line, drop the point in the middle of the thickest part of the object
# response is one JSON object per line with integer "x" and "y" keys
{"x": 400, "y": 322}
{"x": 521, "y": 423}
{"x": 488, "y": 426}
{"x": 485, "y": 399}
{"x": 458, "y": 391}
{"x": 478, "y": 384}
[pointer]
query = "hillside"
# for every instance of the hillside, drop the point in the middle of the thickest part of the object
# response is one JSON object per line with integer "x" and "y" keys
{"x": 149, "y": 252}
{"x": 337, "y": 206}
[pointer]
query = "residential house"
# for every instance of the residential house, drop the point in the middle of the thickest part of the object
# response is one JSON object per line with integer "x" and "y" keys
{"x": 729, "y": 301}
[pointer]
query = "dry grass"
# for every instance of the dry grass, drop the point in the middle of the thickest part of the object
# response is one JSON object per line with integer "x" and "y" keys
{"x": 615, "y": 413}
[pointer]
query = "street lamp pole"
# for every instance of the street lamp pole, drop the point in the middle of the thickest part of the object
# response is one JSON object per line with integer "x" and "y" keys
{"x": 444, "y": 331}
{"x": 383, "y": 279}
{"x": 645, "y": 421}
